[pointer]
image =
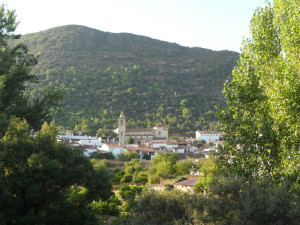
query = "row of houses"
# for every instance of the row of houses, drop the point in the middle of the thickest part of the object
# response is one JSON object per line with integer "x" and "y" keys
{"x": 93, "y": 144}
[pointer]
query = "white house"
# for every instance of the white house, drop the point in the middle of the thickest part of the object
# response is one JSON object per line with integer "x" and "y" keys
{"x": 88, "y": 151}
{"x": 178, "y": 150}
{"x": 190, "y": 139}
{"x": 167, "y": 145}
{"x": 113, "y": 148}
{"x": 142, "y": 151}
{"x": 90, "y": 142}
{"x": 75, "y": 138}
{"x": 208, "y": 135}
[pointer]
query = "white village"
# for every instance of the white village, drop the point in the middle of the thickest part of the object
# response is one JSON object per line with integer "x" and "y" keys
{"x": 147, "y": 141}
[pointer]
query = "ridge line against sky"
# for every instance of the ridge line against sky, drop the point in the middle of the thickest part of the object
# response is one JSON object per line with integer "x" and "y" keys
{"x": 213, "y": 24}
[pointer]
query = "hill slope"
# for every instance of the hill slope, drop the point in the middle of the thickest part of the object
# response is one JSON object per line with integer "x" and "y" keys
{"x": 102, "y": 73}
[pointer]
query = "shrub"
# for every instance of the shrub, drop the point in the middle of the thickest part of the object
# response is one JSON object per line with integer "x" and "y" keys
{"x": 98, "y": 155}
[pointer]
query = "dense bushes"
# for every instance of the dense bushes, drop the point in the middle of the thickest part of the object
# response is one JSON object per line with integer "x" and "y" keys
{"x": 98, "y": 155}
{"x": 228, "y": 201}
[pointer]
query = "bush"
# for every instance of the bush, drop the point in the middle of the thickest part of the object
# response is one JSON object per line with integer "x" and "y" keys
{"x": 130, "y": 140}
{"x": 234, "y": 201}
{"x": 177, "y": 179}
{"x": 128, "y": 156}
{"x": 98, "y": 155}
{"x": 147, "y": 157}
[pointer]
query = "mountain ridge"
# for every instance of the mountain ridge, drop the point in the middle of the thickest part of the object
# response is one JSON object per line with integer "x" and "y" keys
{"x": 79, "y": 60}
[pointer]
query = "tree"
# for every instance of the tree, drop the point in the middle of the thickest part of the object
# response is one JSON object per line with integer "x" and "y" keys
{"x": 103, "y": 132}
{"x": 169, "y": 207}
{"x": 261, "y": 123}
{"x": 37, "y": 175}
{"x": 184, "y": 167}
{"x": 129, "y": 193}
{"x": 48, "y": 130}
{"x": 208, "y": 171}
{"x": 140, "y": 178}
{"x": 127, "y": 156}
{"x": 129, "y": 140}
{"x": 15, "y": 75}
{"x": 134, "y": 166}
{"x": 186, "y": 113}
{"x": 164, "y": 165}
{"x": 107, "y": 209}
{"x": 230, "y": 200}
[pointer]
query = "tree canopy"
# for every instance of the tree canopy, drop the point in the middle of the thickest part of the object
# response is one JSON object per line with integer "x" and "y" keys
{"x": 41, "y": 181}
{"x": 261, "y": 122}
{"x": 15, "y": 76}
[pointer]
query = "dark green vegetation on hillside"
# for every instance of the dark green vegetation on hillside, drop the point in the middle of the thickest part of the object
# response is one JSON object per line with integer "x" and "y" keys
{"x": 103, "y": 73}
{"x": 44, "y": 182}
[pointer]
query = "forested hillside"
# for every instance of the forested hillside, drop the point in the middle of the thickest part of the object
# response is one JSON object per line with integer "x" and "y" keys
{"x": 153, "y": 81}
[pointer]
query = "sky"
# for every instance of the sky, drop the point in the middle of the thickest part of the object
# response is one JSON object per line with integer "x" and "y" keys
{"x": 212, "y": 24}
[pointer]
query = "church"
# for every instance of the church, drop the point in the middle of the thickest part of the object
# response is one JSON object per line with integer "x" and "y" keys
{"x": 140, "y": 135}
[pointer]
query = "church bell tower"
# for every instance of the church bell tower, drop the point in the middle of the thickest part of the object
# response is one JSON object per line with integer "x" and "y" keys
{"x": 122, "y": 128}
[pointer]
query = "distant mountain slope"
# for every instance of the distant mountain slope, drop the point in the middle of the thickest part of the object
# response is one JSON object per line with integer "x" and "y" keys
{"x": 76, "y": 59}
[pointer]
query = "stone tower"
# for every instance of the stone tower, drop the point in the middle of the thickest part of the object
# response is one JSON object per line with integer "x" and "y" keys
{"x": 122, "y": 128}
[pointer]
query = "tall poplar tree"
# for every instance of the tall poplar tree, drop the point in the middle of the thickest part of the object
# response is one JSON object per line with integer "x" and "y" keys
{"x": 261, "y": 122}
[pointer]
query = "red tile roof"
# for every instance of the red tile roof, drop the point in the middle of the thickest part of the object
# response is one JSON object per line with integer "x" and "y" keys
{"x": 186, "y": 182}
{"x": 208, "y": 132}
{"x": 143, "y": 149}
{"x": 113, "y": 145}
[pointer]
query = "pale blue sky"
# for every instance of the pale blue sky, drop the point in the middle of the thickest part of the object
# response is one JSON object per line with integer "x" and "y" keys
{"x": 212, "y": 24}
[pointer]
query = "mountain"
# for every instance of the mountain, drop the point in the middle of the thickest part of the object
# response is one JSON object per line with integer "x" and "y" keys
{"x": 153, "y": 81}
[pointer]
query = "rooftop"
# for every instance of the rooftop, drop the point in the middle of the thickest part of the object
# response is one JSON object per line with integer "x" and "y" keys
{"x": 187, "y": 182}
{"x": 139, "y": 130}
{"x": 208, "y": 132}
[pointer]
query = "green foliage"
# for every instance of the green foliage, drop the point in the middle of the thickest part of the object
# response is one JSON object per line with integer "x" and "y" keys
{"x": 210, "y": 167}
{"x": 129, "y": 140}
{"x": 77, "y": 195}
{"x": 17, "y": 130}
{"x": 106, "y": 209}
{"x": 116, "y": 179}
{"x": 170, "y": 207}
{"x": 146, "y": 156}
{"x": 105, "y": 155}
{"x": 44, "y": 177}
{"x": 203, "y": 184}
{"x": 199, "y": 143}
{"x": 185, "y": 167}
{"x": 103, "y": 132}
{"x": 99, "y": 164}
{"x": 163, "y": 165}
{"x": 140, "y": 178}
{"x": 15, "y": 67}
{"x": 261, "y": 123}
{"x": 229, "y": 200}
{"x": 153, "y": 178}
{"x": 136, "y": 171}
{"x": 232, "y": 201}
{"x": 128, "y": 156}
{"x": 101, "y": 79}
{"x": 127, "y": 178}
{"x": 48, "y": 131}
{"x": 41, "y": 181}
{"x": 129, "y": 193}
{"x": 134, "y": 166}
